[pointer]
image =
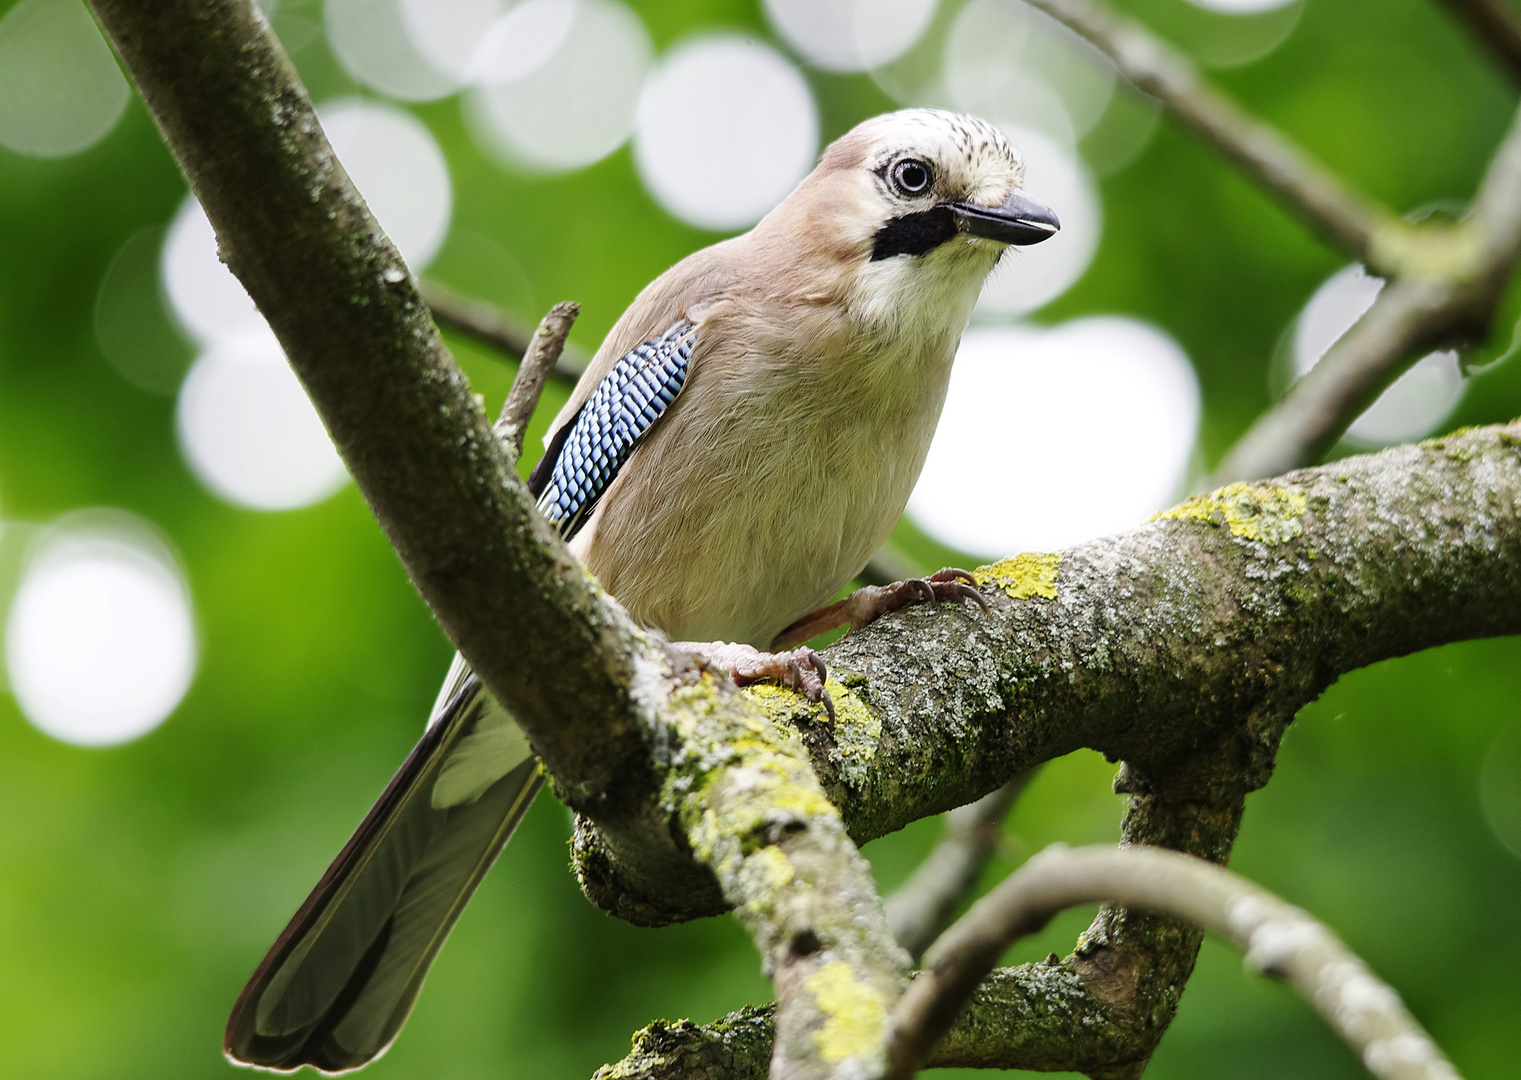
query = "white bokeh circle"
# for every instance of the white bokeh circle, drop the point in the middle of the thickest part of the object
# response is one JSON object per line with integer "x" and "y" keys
{"x": 571, "y": 108}
{"x": 446, "y": 33}
{"x": 206, "y": 298}
{"x": 1053, "y": 437}
{"x": 1416, "y": 403}
{"x": 727, "y": 127}
{"x": 1241, "y": 7}
{"x": 100, "y": 642}
{"x": 379, "y": 47}
{"x": 850, "y": 35}
{"x": 60, "y": 88}
{"x": 397, "y": 165}
{"x": 1028, "y": 278}
{"x": 521, "y": 42}
{"x": 249, "y": 432}
{"x": 1018, "y": 68}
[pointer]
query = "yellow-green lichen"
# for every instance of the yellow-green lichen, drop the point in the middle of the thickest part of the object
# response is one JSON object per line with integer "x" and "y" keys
{"x": 1032, "y": 573}
{"x": 857, "y": 726}
{"x": 1259, "y": 512}
{"x": 854, "y": 1014}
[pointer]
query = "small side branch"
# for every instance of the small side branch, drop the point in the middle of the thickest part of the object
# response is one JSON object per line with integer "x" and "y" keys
{"x": 539, "y": 359}
{"x": 1279, "y": 940}
{"x": 1348, "y": 219}
{"x": 491, "y": 326}
{"x": 1496, "y": 24}
{"x": 923, "y": 905}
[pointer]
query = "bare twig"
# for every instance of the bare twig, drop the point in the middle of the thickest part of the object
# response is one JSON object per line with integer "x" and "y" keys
{"x": 1451, "y": 290}
{"x": 490, "y": 325}
{"x": 538, "y": 361}
{"x": 1497, "y": 25}
{"x": 1279, "y": 940}
{"x": 923, "y": 905}
{"x": 1347, "y": 218}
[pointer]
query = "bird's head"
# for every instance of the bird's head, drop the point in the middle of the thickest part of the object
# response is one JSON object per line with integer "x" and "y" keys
{"x": 917, "y": 204}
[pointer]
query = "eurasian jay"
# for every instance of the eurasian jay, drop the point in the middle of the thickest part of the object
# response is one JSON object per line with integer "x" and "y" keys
{"x": 741, "y": 444}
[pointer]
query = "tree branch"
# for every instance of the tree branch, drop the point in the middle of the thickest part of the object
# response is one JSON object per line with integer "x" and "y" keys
{"x": 1496, "y": 25}
{"x": 636, "y": 737}
{"x": 1346, "y": 218}
{"x": 923, "y": 905}
{"x": 539, "y": 359}
{"x": 490, "y": 325}
{"x": 1450, "y": 292}
{"x": 1279, "y": 940}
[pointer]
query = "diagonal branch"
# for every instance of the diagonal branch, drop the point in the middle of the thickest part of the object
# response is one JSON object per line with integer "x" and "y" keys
{"x": 1350, "y": 220}
{"x": 922, "y": 907}
{"x": 490, "y": 325}
{"x": 1450, "y": 294}
{"x": 540, "y": 356}
{"x": 1496, "y": 24}
{"x": 1278, "y": 939}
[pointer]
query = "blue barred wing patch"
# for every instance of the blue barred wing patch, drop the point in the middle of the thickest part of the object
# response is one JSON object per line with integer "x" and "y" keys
{"x": 620, "y": 411}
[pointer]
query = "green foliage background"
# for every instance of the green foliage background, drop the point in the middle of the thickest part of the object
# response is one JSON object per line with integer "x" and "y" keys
{"x": 139, "y": 885}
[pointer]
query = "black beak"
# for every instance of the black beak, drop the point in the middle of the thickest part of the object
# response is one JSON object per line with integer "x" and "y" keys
{"x": 1020, "y": 220}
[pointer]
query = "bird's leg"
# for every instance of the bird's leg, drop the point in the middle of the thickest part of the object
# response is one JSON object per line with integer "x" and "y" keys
{"x": 868, "y": 604}
{"x": 802, "y": 669}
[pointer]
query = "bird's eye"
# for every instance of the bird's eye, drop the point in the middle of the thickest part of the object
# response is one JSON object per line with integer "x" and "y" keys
{"x": 911, "y": 177}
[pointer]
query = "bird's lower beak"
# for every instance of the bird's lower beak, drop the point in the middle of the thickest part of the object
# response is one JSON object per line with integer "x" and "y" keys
{"x": 1020, "y": 220}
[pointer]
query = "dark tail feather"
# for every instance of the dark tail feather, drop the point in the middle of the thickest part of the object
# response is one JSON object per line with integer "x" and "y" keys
{"x": 338, "y": 984}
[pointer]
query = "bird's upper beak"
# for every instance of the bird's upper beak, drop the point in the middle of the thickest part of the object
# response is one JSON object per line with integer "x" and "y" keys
{"x": 1020, "y": 220}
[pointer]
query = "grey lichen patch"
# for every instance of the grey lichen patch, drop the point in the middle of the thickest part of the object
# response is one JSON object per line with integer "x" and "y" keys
{"x": 1031, "y": 573}
{"x": 1262, "y": 512}
{"x": 856, "y": 728}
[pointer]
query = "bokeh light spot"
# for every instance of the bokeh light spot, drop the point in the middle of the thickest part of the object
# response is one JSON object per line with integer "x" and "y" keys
{"x": 1053, "y": 437}
{"x": 206, "y": 298}
{"x": 375, "y": 44}
{"x": 1028, "y": 278}
{"x": 396, "y": 164}
{"x": 60, "y": 88}
{"x": 1241, "y": 7}
{"x": 850, "y": 35}
{"x": 100, "y": 641}
{"x": 250, "y": 433}
{"x": 571, "y": 108}
{"x": 1500, "y": 788}
{"x": 131, "y": 325}
{"x": 1019, "y": 68}
{"x": 523, "y": 41}
{"x": 727, "y": 127}
{"x": 1416, "y": 403}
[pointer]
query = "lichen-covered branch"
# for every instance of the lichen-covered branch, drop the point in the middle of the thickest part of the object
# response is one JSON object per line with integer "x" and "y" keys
{"x": 1350, "y": 220}
{"x": 1279, "y": 940}
{"x": 689, "y": 782}
{"x": 923, "y": 905}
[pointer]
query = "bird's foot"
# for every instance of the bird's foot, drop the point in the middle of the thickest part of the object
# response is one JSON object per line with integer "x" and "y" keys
{"x": 801, "y": 669}
{"x": 868, "y": 604}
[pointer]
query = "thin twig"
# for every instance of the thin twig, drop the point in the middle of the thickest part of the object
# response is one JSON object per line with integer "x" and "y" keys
{"x": 922, "y": 906}
{"x": 490, "y": 325}
{"x": 1497, "y": 25}
{"x": 1280, "y": 940}
{"x": 1452, "y": 287}
{"x": 1349, "y": 219}
{"x": 538, "y": 361}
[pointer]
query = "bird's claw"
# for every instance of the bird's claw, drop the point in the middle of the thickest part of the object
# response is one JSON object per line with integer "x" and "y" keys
{"x": 865, "y": 606}
{"x": 800, "y": 669}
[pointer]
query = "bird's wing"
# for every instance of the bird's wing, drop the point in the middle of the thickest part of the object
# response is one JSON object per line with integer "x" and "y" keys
{"x": 682, "y": 292}
{"x": 586, "y": 454}
{"x": 338, "y": 984}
